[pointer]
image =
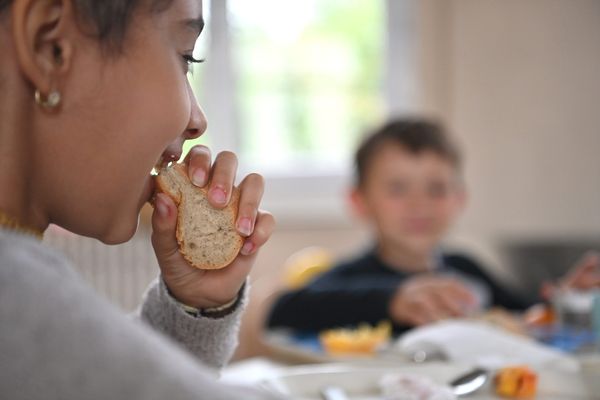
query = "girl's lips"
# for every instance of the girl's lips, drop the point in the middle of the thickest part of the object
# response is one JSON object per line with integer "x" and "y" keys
{"x": 167, "y": 157}
{"x": 171, "y": 154}
{"x": 148, "y": 191}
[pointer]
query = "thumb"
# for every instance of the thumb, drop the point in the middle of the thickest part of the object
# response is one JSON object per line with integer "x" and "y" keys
{"x": 164, "y": 224}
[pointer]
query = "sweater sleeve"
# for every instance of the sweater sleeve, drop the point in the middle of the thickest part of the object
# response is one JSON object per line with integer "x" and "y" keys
{"x": 59, "y": 340}
{"x": 212, "y": 340}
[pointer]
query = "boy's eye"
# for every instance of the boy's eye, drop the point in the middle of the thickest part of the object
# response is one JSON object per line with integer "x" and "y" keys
{"x": 438, "y": 190}
{"x": 396, "y": 189}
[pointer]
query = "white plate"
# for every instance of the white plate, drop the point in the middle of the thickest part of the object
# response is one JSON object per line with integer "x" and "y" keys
{"x": 361, "y": 382}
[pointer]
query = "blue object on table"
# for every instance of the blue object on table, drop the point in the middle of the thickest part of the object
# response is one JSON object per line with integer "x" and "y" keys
{"x": 309, "y": 341}
{"x": 565, "y": 338}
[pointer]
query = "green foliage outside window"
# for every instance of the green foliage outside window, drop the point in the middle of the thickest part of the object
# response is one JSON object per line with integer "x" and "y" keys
{"x": 308, "y": 75}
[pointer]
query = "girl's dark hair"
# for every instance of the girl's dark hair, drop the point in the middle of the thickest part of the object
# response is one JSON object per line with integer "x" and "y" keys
{"x": 109, "y": 18}
{"x": 416, "y": 135}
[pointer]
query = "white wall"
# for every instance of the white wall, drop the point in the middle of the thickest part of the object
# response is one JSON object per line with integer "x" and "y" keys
{"x": 526, "y": 101}
{"x": 518, "y": 82}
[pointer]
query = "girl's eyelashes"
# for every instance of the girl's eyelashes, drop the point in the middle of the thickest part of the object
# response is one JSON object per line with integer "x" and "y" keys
{"x": 190, "y": 60}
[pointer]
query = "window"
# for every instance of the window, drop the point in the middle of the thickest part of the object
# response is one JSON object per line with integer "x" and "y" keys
{"x": 308, "y": 79}
{"x": 291, "y": 86}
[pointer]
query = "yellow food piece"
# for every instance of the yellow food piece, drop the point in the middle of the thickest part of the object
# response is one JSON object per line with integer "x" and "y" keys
{"x": 304, "y": 265}
{"x": 362, "y": 340}
{"x": 516, "y": 382}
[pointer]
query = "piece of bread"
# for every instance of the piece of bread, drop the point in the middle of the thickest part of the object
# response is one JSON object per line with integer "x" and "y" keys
{"x": 207, "y": 236}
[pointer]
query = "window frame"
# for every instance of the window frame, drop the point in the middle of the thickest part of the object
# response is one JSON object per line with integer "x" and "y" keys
{"x": 296, "y": 196}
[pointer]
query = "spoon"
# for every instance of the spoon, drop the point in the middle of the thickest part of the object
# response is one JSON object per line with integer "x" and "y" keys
{"x": 470, "y": 381}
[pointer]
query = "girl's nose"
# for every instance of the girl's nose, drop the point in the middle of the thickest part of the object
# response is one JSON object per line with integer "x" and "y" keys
{"x": 197, "y": 123}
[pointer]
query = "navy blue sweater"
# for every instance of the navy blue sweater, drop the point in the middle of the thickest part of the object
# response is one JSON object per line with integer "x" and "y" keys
{"x": 360, "y": 290}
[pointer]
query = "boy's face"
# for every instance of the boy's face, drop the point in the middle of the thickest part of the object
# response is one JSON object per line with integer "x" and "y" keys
{"x": 411, "y": 199}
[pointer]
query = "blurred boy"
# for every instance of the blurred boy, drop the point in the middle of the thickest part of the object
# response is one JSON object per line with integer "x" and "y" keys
{"x": 409, "y": 188}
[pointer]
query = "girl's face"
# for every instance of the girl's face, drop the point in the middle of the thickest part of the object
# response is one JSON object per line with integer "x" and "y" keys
{"x": 120, "y": 113}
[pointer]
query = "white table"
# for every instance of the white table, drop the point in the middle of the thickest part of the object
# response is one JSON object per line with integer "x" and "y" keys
{"x": 359, "y": 378}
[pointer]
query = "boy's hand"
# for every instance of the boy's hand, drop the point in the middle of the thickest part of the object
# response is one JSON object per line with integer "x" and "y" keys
{"x": 425, "y": 299}
{"x": 584, "y": 275}
{"x": 211, "y": 288}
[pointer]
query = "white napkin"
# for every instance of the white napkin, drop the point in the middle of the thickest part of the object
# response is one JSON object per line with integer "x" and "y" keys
{"x": 485, "y": 345}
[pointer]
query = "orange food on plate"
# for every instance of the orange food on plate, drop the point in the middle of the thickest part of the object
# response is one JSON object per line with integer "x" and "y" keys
{"x": 516, "y": 382}
{"x": 363, "y": 340}
{"x": 540, "y": 315}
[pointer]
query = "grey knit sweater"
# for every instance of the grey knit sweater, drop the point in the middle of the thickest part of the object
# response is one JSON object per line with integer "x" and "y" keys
{"x": 60, "y": 341}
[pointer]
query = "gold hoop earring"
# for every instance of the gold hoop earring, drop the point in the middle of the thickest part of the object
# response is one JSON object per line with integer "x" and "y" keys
{"x": 51, "y": 101}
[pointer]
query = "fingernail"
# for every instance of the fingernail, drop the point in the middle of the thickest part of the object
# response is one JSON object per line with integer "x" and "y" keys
{"x": 218, "y": 195}
{"x": 245, "y": 226}
{"x": 161, "y": 207}
{"x": 199, "y": 177}
{"x": 248, "y": 248}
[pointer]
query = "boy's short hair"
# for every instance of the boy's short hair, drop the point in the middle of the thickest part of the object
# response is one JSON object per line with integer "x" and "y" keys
{"x": 416, "y": 135}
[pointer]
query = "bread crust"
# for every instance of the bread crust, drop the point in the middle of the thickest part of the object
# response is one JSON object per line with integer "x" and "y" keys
{"x": 191, "y": 247}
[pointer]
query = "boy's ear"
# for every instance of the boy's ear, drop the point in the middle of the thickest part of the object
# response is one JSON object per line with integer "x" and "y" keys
{"x": 462, "y": 198}
{"x": 40, "y": 34}
{"x": 358, "y": 203}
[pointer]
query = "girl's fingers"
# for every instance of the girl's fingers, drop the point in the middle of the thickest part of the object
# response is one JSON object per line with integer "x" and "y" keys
{"x": 251, "y": 192}
{"x": 199, "y": 161}
{"x": 164, "y": 222}
{"x": 222, "y": 179}
{"x": 264, "y": 227}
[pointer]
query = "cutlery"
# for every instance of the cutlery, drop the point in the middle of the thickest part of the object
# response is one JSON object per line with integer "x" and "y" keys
{"x": 470, "y": 381}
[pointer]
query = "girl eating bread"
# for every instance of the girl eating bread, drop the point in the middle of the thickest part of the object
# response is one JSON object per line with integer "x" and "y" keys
{"x": 92, "y": 95}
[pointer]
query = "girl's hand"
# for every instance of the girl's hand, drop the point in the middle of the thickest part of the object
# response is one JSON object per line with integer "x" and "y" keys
{"x": 211, "y": 288}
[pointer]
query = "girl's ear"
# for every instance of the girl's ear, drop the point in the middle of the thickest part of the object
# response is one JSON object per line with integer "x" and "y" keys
{"x": 41, "y": 34}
